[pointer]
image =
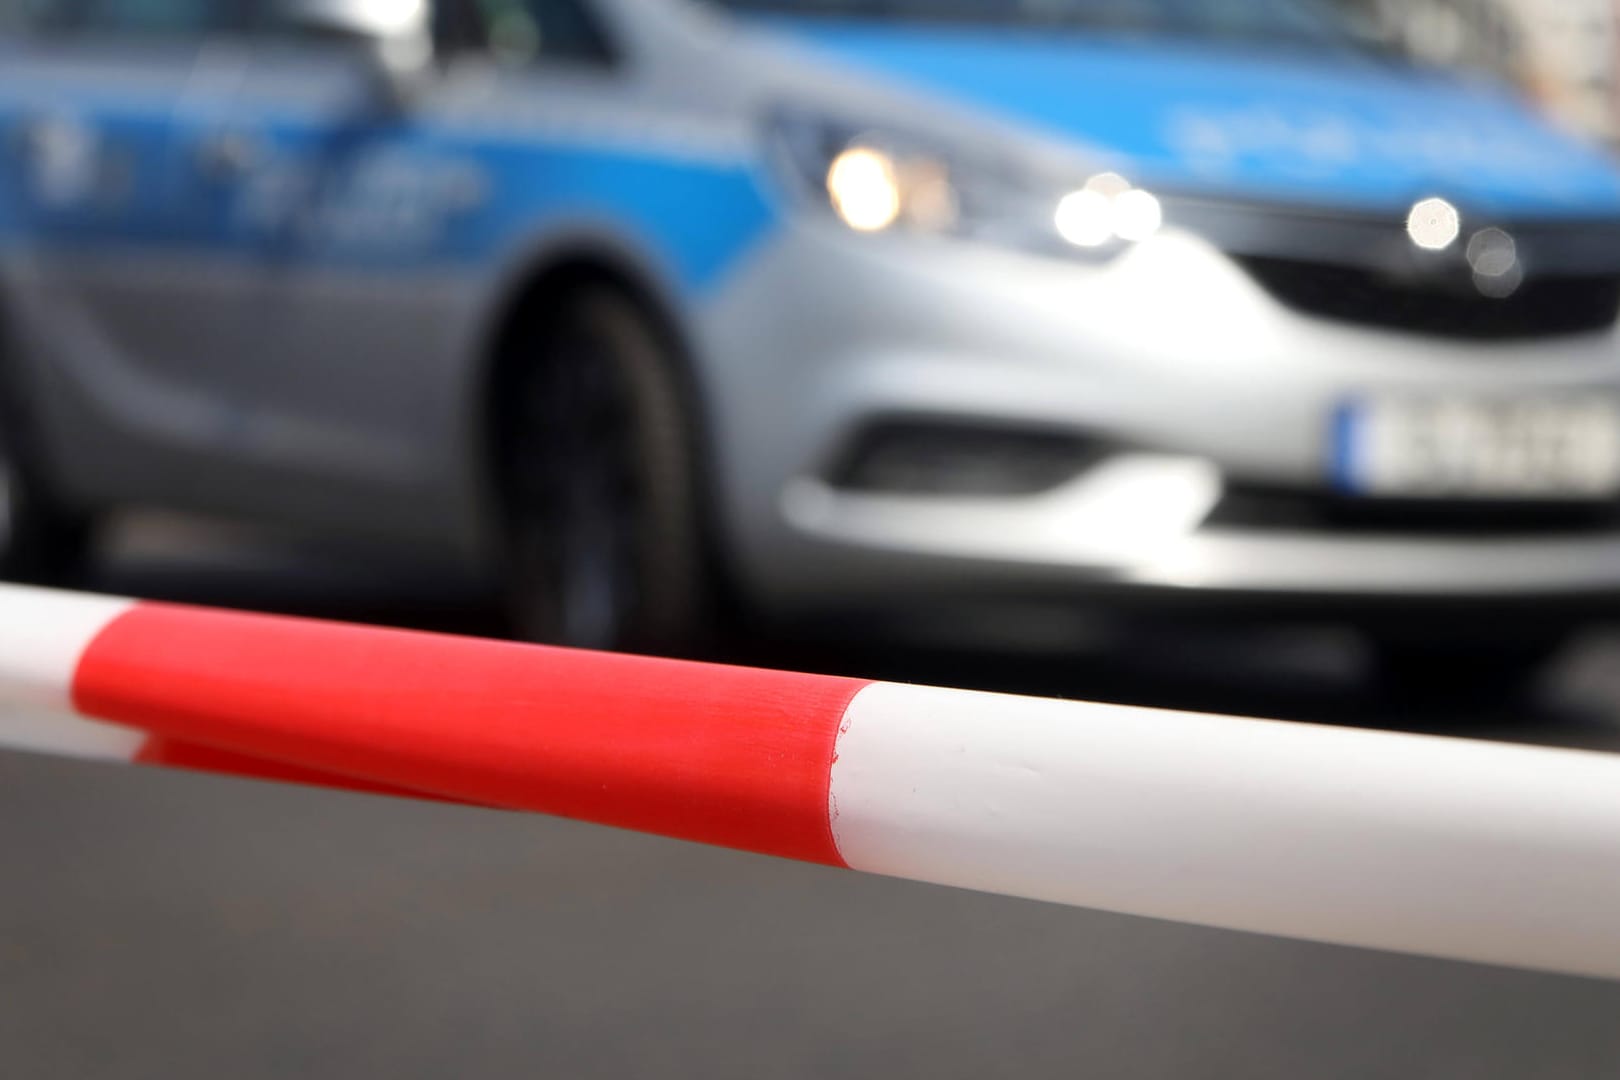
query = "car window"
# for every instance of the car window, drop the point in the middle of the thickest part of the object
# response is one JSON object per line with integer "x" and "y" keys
{"x": 1319, "y": 23}
{"x": 543, "y": 31}
{"x": 141, "y": 18}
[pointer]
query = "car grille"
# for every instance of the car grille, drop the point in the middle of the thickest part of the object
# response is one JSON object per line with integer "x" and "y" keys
{"x": 1445, "y": 307}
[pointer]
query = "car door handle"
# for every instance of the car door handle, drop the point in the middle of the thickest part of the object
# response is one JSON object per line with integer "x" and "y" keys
{"x": 229, "y": 154}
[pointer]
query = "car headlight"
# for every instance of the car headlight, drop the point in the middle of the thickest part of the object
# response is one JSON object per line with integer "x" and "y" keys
{"x": 874, "y": 180}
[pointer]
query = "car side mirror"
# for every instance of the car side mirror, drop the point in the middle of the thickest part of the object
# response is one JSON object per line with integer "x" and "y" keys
{"x": 395, "y": 38}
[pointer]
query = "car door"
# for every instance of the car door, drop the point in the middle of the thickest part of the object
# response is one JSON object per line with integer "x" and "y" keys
{"x": 379, "y": 213}
{"x": 339, "y": 216}
{"x": 102, "y": 105}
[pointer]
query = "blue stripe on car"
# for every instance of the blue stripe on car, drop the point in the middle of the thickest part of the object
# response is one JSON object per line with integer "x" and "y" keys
{"x": 355, "y": 199}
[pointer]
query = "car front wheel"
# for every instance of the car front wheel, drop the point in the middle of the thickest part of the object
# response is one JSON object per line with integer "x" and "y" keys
{"x": 606, "y": 545}
{"x": 41, "y": 543}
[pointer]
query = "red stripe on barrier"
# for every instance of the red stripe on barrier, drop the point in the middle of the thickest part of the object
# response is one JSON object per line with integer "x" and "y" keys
{"x": 732, "y": 756}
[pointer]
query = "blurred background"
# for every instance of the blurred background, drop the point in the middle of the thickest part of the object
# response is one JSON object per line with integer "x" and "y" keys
{"x": 1280, "y": 379}
{"x": 1562, "y": 55}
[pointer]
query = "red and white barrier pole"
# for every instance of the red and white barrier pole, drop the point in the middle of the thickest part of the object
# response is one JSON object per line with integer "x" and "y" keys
{"x": 1471, "y": 850}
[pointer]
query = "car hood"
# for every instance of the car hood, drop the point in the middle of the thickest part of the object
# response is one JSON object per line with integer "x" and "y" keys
{"x": 1345, "y": 130}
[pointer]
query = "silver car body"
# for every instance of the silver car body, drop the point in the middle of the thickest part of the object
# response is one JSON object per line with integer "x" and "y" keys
{"x": 231, "y": 288}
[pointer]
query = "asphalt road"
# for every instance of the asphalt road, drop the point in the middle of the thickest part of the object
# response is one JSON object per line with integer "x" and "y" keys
{"x": 169, "y": 925}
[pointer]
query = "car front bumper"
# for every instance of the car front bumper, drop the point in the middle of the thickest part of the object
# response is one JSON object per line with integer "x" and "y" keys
{"x": 1186, "y": 374}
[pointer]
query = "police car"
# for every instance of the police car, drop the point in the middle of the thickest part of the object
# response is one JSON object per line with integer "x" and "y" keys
{"x": 922, "y": 309}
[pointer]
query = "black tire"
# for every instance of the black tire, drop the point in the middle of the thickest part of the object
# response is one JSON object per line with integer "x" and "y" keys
{"x": 40, "y": 542}
{"x": 1500, "y": 671}
{"x": 606, "y": 534}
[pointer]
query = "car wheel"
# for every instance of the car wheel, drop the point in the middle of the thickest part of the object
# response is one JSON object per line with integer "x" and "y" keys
{"x": 605, "y": 529}
{"x": 1474, "y": 671}
{"x": 40, "y": 542}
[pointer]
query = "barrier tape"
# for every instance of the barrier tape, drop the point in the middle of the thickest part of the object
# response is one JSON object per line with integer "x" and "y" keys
{"x": 1445, "y": 847}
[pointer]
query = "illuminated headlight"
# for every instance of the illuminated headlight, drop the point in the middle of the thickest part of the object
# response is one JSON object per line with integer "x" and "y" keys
{"x": 872, "y": 190}
{"x": 880, "y": 181}
{"x": 865, "y": 189}
{"x": 1434, "y": 224}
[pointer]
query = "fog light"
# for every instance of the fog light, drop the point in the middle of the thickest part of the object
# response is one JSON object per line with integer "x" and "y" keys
{"x": 1107, "y": 208}
{"x": 1137, "y": 215}
{"x": 922, "y": 458}
{"x": 1085, "y": 218}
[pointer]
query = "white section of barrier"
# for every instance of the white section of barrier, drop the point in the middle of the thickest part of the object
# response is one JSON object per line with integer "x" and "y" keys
{"x": 1506, "y": 854}
{"x": 65, "y": 735}
{"x": 43, "y": 633}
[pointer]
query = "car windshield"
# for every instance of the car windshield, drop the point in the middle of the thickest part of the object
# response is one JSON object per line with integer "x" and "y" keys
{"x": 1303, "y": 22}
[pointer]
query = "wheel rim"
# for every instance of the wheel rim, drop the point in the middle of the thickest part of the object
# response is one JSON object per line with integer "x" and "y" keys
{"x": 583, "y": 510}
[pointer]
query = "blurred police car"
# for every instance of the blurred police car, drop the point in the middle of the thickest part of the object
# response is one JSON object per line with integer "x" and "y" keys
{"x": 857, "y": 305}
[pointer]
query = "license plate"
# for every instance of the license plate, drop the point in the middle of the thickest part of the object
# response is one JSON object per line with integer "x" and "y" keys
{"x": 1559, "y": 448}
